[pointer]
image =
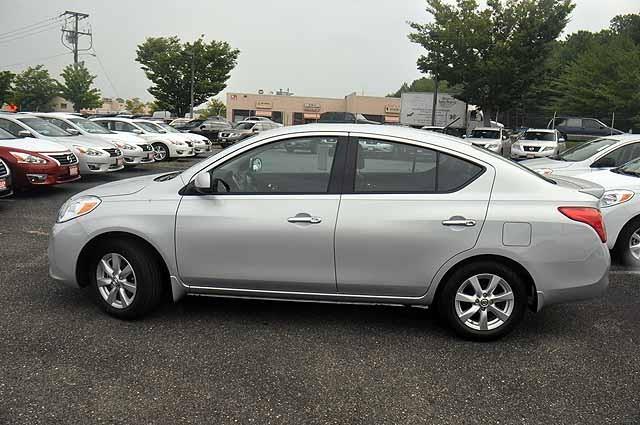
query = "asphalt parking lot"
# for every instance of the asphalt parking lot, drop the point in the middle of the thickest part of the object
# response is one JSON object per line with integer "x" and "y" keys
{"x": 215, "y": 361}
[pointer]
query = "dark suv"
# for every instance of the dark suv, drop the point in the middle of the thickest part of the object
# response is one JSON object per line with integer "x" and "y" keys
{"x": 573, "y": 128}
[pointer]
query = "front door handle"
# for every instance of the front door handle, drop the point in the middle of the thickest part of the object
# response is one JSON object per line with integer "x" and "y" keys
{"x": 304, "y": 218}
{"x": 459, "y": 222}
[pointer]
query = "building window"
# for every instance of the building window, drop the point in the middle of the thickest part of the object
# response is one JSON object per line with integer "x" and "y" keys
{"x": 238, "y": 115}
{"x": 63, "y": 106}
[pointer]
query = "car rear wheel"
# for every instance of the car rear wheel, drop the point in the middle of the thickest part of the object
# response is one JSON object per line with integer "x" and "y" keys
{"x": 126, "y": 279}
{"x": 627, "y": 248}
{"x": 161, "y": 152}
{"x": 483, "y": 301}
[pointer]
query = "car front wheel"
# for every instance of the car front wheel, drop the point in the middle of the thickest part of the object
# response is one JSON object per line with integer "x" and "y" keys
{"x": 126, "y": 278}
{"x": 627, "y": 247}
{"x": 161, "y": 152}
{"x": 483, "y": 301}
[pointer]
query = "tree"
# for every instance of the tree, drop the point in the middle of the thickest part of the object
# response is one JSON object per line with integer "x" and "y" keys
{"x": 77, "y": 87}
{"x": 423, "y": 85}
{"x": 627, "y": 25}
{"x": 6, "y": 80}
{"x": 495, "y": 54}
{"x": 169, "y": 65}
{"x": 135, "y": 106}
{"x": 213, "y": 108}
{"x": 34, "y": 89}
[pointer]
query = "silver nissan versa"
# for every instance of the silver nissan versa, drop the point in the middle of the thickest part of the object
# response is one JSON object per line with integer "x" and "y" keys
{"x": 434, "y": 221}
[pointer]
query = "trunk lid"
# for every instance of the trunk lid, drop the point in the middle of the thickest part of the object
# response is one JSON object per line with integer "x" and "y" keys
{"x": 584, "y": 186}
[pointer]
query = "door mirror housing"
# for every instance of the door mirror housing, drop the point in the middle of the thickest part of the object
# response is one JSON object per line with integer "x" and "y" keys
{"x": 137, "y": 131}
{"x": 203, "y": 184}
{"x": 24, "y": 133}
{"x": 606, "y": 162}
{"x": 73, "y": 131}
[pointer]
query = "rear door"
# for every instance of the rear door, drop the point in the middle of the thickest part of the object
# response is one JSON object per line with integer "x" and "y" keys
{"x": 405, "y": 211}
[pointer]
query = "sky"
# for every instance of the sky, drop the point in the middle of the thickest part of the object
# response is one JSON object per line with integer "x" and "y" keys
{"x": 326, "y": 48}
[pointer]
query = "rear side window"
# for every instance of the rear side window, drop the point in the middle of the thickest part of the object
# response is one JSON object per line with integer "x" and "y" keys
{"x": 390, "y": 167}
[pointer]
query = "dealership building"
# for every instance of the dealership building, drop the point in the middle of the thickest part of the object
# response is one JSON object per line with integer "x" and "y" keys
{"x": 293, "y": 110}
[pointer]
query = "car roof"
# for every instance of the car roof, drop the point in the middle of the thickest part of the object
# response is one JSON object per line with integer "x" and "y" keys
{"x": 63, "y": 115}
{"x": 541, "y": 130}
{"x": 487, "y": 128}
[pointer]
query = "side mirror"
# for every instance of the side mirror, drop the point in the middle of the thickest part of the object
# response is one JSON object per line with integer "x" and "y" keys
{"x": 24, "y": 133}
{"x": 73, "y": 131}
{"x": 203, "y": 184}
{"x": 606, "y": 162}
{"x": 255, "y": 130}
{"x": 464, "y": 136}
{"x": 137, "y": 131}
{"x": 561, "y": 140}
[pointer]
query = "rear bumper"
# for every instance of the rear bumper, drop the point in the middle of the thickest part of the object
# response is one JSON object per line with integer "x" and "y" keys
{"x": 578, "y": 293}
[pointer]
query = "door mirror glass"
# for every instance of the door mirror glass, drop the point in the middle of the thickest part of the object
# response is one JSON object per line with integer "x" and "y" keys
{"x": 73, "y": 131}
{"x": 24, "y": 133}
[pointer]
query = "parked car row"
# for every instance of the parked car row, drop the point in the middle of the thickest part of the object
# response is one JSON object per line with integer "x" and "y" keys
{"x": 39, "y": 149}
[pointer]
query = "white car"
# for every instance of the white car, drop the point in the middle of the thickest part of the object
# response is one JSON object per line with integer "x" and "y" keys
{"x": 135, "y": 150}
{"x": 166, "y": 146}
{"x": 620, "y": 206}
{"x": 538, "y": 143}
{"x": 599, "y": 154}
{"x": 200, "y": 144}
{"x": 490, "y": 138}
{"x": 94, "y": 154}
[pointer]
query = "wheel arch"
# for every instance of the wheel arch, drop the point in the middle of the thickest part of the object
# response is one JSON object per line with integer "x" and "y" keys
{"x": 83, "y": 263}
{"x": 516, "y": 266}
{"x": 636, "y": 217}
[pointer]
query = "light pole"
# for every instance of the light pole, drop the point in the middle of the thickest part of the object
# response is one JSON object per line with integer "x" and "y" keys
{"x": 192, "y": 84}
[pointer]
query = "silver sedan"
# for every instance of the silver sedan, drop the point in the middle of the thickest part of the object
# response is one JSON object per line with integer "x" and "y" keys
{"x": 433, "y": 222}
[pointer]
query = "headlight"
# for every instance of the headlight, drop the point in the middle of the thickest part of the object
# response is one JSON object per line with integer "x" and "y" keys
{"x": 88, "y": 151}
{"x": 491, "y": 146}
{"x": 544, "y": 171}
{"x": 124, "y": 146}
{"x": 615, "y": 197}
{"x": 548, "y": 148}
{"x": 74, "y": 208}
{"x": 25, "y": 158}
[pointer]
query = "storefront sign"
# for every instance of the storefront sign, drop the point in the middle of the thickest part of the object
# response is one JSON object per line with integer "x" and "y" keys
{"x": 264, "y": 104}
{"x": 312, "y": 107}
{"x": 392, "y": 109}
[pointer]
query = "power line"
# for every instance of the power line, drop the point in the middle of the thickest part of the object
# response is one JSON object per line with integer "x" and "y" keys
{"x": 27, "y": 35}
{"x": 34, "y": 60}
{"x": 30, "y": 30}
{"x": 26, "y": 27}
{"x": 104, "y": 71}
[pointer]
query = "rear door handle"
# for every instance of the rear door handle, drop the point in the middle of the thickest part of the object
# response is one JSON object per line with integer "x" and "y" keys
{"x": 459, "y": 222}
{"x": 304, "y": 218}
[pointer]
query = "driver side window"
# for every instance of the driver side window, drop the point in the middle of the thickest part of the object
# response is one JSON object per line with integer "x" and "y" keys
{"x": 301, "y": 165}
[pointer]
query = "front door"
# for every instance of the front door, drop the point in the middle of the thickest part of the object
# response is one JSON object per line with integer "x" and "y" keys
{"x": 270, "y": 226}
{"x": 409, "y": 211}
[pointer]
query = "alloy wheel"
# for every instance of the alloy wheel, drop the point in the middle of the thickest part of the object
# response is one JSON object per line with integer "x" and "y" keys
{"x": 160, "y": 152}
{"x": 116, "y": 280}
{"x": 634, "y": 245}
{"x": 484, "y": 302}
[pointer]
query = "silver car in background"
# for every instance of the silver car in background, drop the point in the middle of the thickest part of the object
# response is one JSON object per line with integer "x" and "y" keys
{"x": 435, "y": 221}
{"x": 94, "y": 155}
{"x": 491, "y": 138}
{"x": 538, "y": 143}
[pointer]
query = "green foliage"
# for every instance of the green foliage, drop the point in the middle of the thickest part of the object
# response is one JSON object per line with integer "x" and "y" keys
{"x": 135, "y": 106}
{"x": 603, "y": 79}
{"x": 627, "y": 25}
{"x": 423, "y": 84}
{"x": 34, "y": 89}
{"x": 6, "y": 80}
{"x": 214, "y": 107}
{"x": 168, "y": 64}
{"x": 495, "y": 54}
{"x": 77, "y": 89}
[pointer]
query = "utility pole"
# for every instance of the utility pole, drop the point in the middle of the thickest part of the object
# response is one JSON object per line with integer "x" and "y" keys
{"x": 73, "y": 35}
{"x": 192, "y": 84}
{"x": 436, "y": 83}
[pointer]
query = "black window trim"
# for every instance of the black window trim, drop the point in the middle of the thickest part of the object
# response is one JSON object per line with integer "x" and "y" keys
{"x": 348, "y": 186}
{"x": 336, "y": 174}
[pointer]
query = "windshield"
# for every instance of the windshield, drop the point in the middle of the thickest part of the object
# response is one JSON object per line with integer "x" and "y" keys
{"x": 485, "y": 134}
{"x": 586, "y": 150}
{"x": 167, "y": 127}
{"x": 539, "y": 135}
{"x": 6, "y": 135}
{"x": 631, "y": 168}
{"x": 148, "y": 127}
{"x": 244, "y": 125}
{"x": 89, "y": 126}
{"x": 43, "y": 127}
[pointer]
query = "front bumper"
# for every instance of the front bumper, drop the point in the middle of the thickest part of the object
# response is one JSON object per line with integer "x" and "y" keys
{"x": 138, "y": 157}
{"x": 517, "y": 153}
{"x": 177, "y": 151}
{"x": 99, "y": 164}
{"x": 27, "y": 175}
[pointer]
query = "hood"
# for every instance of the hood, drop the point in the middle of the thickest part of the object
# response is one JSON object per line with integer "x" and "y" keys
{"x": 610, "y": 180}
{"x": 90, "y": 141}
{"x": 552, "y": 164}
{"x": 121, "y": 187}
{"x": 581, "y": 185}
{"x": 33, "y": 145}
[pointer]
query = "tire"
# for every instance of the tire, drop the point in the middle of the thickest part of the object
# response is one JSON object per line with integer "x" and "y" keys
{"x": 161, "y": 152}
{"x": 630, "y": 234}
{"x": 145, "y": 277}
{"x": 461, "y": 282}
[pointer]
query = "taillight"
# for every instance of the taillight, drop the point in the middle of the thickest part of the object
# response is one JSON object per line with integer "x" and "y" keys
{"x": 590, "y": 216}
